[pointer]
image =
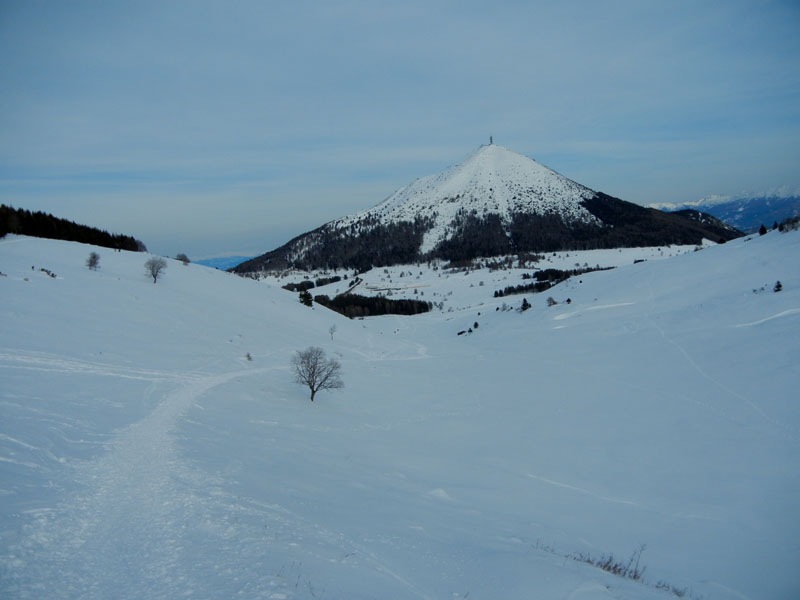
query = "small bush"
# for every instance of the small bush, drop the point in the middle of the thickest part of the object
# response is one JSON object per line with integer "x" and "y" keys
{"x": 93, "y": 262}
{"x": 155, "y": 266}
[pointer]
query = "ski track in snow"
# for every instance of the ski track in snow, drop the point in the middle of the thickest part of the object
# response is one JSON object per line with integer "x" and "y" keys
{"x": 126, "y": 528}
{"x": 42, "y": 361}
{"x": 582, "y": 491}
{"x": 563, "y": 316}
{"x": 785, "y": 313}
{"x": 780, "y": 428}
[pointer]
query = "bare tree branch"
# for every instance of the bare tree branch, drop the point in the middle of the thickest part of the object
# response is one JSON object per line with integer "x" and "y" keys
{"x": 317, "y": 372}
{"x": 155, "y": 266}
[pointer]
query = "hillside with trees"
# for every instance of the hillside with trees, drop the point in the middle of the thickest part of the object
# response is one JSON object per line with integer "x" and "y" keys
{"x": 44, "y": 225}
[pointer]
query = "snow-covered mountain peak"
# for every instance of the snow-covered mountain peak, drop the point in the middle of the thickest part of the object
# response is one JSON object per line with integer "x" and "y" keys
{"x": 493, "y": 203}
{"x": 491, "y": 180}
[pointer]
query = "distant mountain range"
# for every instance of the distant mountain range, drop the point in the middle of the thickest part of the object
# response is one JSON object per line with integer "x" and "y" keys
{"x": 746, "y": 212}
{"x": 495, "y": 202}
{"x": 223, "y": 262}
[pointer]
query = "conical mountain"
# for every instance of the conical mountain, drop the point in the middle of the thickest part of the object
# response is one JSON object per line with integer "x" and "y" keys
{"x": 493, "y": 203}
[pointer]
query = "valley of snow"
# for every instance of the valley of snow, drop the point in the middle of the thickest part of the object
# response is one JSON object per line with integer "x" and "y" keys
{"x": 142, "y": 455}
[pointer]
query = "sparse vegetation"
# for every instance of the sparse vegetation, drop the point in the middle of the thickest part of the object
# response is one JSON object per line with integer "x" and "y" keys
{"x": 183, "y": 258}
{"x": 93, "y": 261}
{"x": 628, "y": 570}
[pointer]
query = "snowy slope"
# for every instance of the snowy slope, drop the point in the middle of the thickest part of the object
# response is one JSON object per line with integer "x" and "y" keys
{"x": 492, "y": 179}
{"x": 142, "y": 454}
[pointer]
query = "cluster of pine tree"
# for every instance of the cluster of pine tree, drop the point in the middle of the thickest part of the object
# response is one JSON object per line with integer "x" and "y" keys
{"x": 360, "y": 247}
{"x": 535, "y": 288}
{"x": 308, "y": 284}
{"x": 299, "y": 287}
{"x": 545, "y": 279}
{"x": 354, "y": 305}
{"x": 43, "y": 225}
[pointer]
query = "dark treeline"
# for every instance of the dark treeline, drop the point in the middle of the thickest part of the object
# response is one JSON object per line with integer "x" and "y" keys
{"x": 360, "y": 247}
{"x": 43, "y": 225}
{"x": 535, "y": 288}
{"x": 545, "y": 279}
{"x": 625, "y": 225}
{"x": 299, "y": 287}
{"x": 308, "y": 284}
{"x": 354, "y": 305}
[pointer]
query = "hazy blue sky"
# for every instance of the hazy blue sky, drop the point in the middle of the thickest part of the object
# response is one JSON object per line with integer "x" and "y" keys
{"x": 205, "y": 127}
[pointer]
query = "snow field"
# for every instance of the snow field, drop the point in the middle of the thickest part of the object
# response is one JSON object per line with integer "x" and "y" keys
{"x": 144, "y": 456}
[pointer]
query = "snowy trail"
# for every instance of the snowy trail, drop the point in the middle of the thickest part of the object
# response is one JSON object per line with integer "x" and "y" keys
{"x": 124, "y": 530}
{"x": 46, "y": 362}
{"x": 144, "y": 520}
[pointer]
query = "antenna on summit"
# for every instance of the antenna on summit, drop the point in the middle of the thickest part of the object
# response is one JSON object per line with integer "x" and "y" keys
{"x": 491, "y": 141}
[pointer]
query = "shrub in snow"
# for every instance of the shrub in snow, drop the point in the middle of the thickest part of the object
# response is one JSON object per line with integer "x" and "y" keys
{"x": 778, "y": 287}
{"x": 155, "y": 266}
{"x": 183, "y": 258}
{"x": 93, "y": 261}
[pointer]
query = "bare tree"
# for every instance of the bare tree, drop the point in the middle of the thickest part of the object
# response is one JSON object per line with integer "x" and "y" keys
{"x": 332, "y": 330}
{"x": 155, "y": 266}
{"x": 317, "y": 372}
{"x": 93, "y": 262}
{"x": 183, "y": 258}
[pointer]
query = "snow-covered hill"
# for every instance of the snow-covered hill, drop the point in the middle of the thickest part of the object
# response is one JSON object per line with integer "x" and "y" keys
{"x": 494, "y": 202}
{"x": 142, "y": 455}
{"x": 491, "y": 180}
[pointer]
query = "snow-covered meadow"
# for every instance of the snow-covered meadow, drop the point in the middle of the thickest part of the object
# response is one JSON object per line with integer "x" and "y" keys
{"x": 142, "y": 455}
